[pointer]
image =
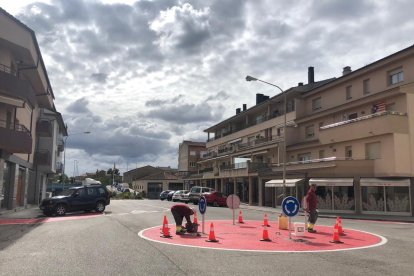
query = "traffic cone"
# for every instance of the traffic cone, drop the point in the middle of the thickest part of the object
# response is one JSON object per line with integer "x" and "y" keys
{"x": 241, "y": 217}
{"x": 335, "y": 237}
{"x": 340, "y": 230}
{"x": 265, "y": 221}
{"x": 195, "y": 218}
{"x": 165, "y": 229}
{"x": 265, "y": 235}
{"x": 164, "y": 223}
{"x": 211, "y": 236}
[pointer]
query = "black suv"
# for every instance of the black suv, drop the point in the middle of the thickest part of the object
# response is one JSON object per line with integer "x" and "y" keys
{"x": 84, "y": 198}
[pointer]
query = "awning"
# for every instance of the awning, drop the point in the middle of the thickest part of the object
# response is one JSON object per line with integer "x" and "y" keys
{"x": 384, "y": 182}
{"x": 279, "y": 182}
{"x": 235, "y": 140}
{"x": 332, "y": 181}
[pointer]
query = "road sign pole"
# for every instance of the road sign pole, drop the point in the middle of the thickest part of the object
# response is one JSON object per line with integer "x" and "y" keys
{"x": 290, "y": 230}
{"x": 232, "y": 199}
{"x": 202, "y": 222}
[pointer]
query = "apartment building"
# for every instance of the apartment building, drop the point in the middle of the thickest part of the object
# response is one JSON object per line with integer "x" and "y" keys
{"x": 189, "y": 153}
{"x": 352, "y": 135}
{"x": 31, "y": 130}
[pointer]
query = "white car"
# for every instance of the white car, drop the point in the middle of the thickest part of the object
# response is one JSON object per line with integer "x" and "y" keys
{"x": 178, "y": 195}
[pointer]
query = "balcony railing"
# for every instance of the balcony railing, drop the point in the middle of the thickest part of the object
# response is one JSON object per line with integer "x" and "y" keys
{"x": 15, "y": 138}
{"x": 244, "y": 126}
{"x": 8, "y": 70}
{"x": 383, "y": 113}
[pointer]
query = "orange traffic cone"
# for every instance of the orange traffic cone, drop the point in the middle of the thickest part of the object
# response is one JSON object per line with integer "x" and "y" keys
{"x": 211, "y": 236}
{"x": 164, "y": 223}
{"x": 335, "y": 237}
{"x": 165, "y": 229}
{"x": 265, "y": 235}
{"x": 195, "y": 218}
{"x": 241, "y": 217}
{"x": 340, "y": 230}
{"x": 265, "y": 221}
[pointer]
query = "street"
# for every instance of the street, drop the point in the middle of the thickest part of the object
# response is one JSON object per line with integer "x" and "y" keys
{"x": 109, "y": 244}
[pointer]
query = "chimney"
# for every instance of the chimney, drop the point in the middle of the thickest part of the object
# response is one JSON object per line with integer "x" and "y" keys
{"x": 300, "y": 84}
{"x": 265, "y": 98}
{"x": 237, "y": 111}
{"x": 311, "y": 75}
{"x": 244, "y": 107}
{"x": 259, "y": 98}
{"x": 347, "y": 70}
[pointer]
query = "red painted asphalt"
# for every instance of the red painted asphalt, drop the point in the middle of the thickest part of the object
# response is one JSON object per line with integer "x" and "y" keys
{"x": 13, "y": 221}
{"x": 247, "y": 237}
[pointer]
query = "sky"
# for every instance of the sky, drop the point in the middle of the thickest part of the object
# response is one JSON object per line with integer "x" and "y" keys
{"x": 142, "y": 76}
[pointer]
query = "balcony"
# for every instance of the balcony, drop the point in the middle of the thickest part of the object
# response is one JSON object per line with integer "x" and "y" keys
{"x": 60, "y": 144}
{"x": 16, "y": 88}
{"x": 330, "y": 167}
{"x": 44, "y": 128}
{"x": 259, "y": 142}
{"x": 59, "y": 167}
{"x": 242, "y": 169}
{"x": 15, "y": 138}
{"x": 43, "y": 158}
{"x": 386, "y": 122}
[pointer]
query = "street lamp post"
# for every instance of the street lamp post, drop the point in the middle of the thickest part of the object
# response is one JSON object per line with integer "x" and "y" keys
{"x": 64, "y": 154}
{"x": 250, "y": 78}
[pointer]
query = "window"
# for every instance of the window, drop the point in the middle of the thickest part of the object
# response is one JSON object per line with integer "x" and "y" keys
{"x": 373, "y": 150}
{"x": 316, "y": 104}
{"x": 349, "y": 92}
{"x": 321, "y": 154}
{"x": 192, "y": 164}
{"x": 304, "y": 157}
{"x": 352, "y": 116}
{"x": 91, "y": 191}
{"x": 395, "y": 76}
{"x": 365, "y": 87}
{"x": 348, "y": 152}
{"x": 310, "y": 131}
{"x": 279, "y": 131}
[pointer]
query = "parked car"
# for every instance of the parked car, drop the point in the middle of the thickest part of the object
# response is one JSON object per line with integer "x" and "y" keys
{"x": 177, "y": 196}
{"x": 170, "y": 195}
{"x": 84, "y": 198}
{"x": 215, "y": 198}
{"x": 185, "y": 197}
{"x": 163, "y": 194}
{"x": 196, "y": 192}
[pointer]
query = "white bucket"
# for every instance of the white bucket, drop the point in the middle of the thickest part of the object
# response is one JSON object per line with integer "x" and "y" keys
{"x": 299, "y": 228}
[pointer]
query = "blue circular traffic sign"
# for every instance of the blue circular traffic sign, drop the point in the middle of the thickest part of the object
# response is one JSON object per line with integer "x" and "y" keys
{"x": 202, "y": 205}
{"x": 290, "y": 206}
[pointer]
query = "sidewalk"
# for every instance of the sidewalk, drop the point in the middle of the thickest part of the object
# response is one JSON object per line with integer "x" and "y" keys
{"x": 20, "y": 212}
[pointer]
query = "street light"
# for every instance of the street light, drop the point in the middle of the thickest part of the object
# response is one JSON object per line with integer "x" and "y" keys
{"x": 250, "y": 78}
{"x": 64, "y": 154}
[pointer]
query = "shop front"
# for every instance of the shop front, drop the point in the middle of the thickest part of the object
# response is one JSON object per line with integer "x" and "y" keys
{"x": 335, "y": 194}
{"x": 276, "y": 187}
{"x": 385, "y": 196}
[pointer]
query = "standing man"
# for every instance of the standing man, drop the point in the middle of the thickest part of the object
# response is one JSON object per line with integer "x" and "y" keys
{"x": 311, "y": 208}
{"x": 181, "y": 211}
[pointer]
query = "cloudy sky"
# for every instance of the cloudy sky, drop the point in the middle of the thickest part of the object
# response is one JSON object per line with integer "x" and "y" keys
{"x": 142, "y": 76}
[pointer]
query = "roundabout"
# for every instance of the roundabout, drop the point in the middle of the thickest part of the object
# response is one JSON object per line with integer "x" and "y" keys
{"x": 247, "y": 237}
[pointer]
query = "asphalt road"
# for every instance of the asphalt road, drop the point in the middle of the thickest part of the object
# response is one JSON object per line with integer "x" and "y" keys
{"x": 110, "y": 245}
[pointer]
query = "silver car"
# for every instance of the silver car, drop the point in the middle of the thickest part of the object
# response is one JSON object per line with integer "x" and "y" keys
{"x": 178, "y": 196}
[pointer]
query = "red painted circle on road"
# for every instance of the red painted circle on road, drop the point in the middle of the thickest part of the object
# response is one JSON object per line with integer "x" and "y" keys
{"x": 246, "y": 237}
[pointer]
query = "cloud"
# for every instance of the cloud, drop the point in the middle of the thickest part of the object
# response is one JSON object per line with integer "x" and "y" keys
{"x": 182, "y": 28}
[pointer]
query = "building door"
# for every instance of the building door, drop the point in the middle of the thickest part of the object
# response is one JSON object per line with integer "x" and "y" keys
{"x": 21, "y": 184}
{"x": 154, "y": 190}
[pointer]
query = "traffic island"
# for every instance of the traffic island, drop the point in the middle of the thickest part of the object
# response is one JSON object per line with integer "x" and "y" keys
{"x": 248, "y": 236}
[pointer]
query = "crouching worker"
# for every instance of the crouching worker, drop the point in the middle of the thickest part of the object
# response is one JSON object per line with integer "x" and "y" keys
{"x": 181, "y": 211}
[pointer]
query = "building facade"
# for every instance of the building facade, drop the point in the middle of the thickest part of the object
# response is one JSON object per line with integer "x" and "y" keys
{"x": 31, "y": 130}
{"x": 189, "y": 154}
{"x": 352, "y": 135}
